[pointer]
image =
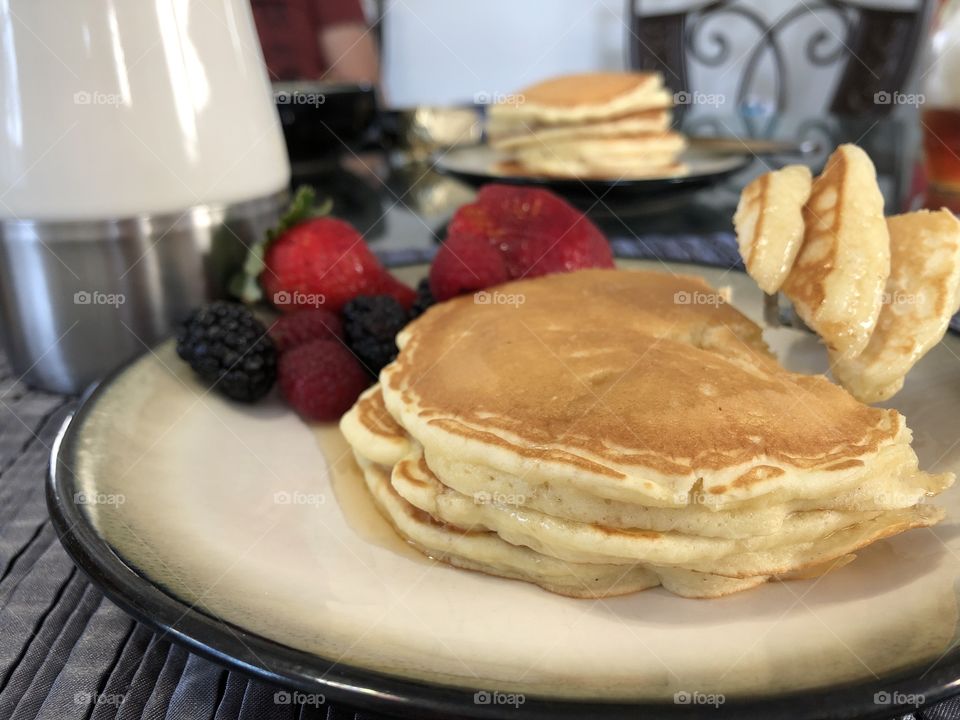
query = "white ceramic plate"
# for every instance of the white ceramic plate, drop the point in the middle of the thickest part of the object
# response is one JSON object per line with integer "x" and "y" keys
{"x": 249, "y": 536}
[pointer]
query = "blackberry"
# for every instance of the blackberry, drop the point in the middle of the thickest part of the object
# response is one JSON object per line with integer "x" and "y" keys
{"x": 370, "y": 324}
{"x": 424, "y": 299}
{"x": 230, "y": 349}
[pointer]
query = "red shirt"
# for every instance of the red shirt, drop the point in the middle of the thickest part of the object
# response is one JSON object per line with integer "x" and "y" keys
{"x": 290, "y": 34}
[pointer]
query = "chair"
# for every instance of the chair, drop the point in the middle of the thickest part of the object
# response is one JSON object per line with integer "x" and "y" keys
{"x": 875, "y": 48}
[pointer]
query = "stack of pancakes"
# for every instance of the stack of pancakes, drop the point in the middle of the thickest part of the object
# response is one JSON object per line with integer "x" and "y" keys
{"x": 879, "y": 292}
{"x": 617, "y": 430}
{"x": 606, "y": 125}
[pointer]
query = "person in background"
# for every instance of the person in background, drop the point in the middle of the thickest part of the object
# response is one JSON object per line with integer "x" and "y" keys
{"x": 317, "y": 40}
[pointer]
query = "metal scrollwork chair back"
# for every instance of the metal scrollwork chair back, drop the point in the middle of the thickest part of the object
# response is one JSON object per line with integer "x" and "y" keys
{"x": 874, "y": 47}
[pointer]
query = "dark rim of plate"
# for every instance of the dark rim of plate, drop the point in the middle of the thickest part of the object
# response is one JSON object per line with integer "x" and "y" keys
{"x": 269, "y": 661}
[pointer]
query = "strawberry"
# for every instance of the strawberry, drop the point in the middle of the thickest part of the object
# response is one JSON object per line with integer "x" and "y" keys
{"x": 308, "y": 261}
{"x": 466, "y": 262}
{"x": 298, "y": 328}
{"x": 512, "y": 232}
{"x": 321, "y": 379}
{"x": 325, "y": 261}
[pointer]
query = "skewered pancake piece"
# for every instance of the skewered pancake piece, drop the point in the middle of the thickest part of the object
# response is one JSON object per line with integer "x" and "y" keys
{"x": 921, "y": 296}
{"x": 769, "y": 224}
{"x": 837, "y": 281}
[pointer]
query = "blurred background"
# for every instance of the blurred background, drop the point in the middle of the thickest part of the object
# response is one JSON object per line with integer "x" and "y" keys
{"x": 147, "y": 147}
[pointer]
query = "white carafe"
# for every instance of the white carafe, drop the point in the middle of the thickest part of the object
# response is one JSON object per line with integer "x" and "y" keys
{"x": 140, "y": 154}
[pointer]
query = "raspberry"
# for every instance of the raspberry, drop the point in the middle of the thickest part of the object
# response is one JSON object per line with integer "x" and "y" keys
{"x": 301, "y": 327}
{"x": 321, "y": 379}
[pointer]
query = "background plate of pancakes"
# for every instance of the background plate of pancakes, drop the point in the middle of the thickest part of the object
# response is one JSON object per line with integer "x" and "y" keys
{"x": 481, "y": 164}
{"x": 251, "y": 537}
{"x": 589, "y": 133}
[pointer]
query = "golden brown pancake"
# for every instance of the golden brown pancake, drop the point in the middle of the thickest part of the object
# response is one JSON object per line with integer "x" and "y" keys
{"x": 922, "y": 294}
{"x": 894, "y": 483}
{"x": 553, "y": 430}
{"x": 516, "y": 169}
{"x": 645, "y": 385}
{"x": 607, "y": 125}
{"x": 488, "y": 553}
{"x": 498, "y": 533}
{"x": 506, "y": 133}
{"x": 574, "y": 99}
{"x": 837, "y": 281}
{"x": 600, "y": 91}
{"x": 627, "y": 156}
{"x": 769, "y": 223}
{"x": 369, "y": 424}
{"x": 515, "y": 135}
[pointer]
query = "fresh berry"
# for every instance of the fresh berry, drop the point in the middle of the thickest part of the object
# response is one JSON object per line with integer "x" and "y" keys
{"x": 512, "y": 232}
{"x": 424, "y": 299}
{"x": 321, "y": 379}
{"x": 230, "y": 349}
{"x": 301, "y": 327}
{"x": 325, "y": 261}
{"x": 371, "y": 325}
{"x": 466, "y": 262}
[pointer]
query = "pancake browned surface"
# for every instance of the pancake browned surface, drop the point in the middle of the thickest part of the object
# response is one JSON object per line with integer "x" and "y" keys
{"x": 895, "y": 484}
{"x": 608, "y": 125}
{"x": 627, "y": 156}
{"x": 516, "y": 135}
{"x": 769, "y": 223}
{"x": 922, "y": 294}
{"x": 486, "y": 552}
{"x": 837, "y": 281}
{"x": 645, "y": 382}
{"x": 471, "y": 546}
{"x": 586, "y": 97}
{"x": 605, "y": 419}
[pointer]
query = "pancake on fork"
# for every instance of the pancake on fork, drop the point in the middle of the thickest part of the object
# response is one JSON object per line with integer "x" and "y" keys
{"x": 657, "y": 434}
{"x": 921, "y": 296}
{"x": 769, "y": 224}
{"x": 837, "y": 281}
